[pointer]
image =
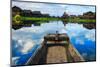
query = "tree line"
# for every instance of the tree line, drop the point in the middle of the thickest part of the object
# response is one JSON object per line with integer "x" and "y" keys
{"x": 29, "y": 13}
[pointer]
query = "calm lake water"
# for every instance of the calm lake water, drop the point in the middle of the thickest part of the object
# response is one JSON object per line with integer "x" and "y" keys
{"x": 27, "y": 40}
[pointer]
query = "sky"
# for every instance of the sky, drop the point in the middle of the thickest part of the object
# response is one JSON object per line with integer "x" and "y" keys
{"x": 54, "y": 9}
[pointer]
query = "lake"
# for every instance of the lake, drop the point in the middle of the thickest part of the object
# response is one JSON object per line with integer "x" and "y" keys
{"x": 27, "y": 40}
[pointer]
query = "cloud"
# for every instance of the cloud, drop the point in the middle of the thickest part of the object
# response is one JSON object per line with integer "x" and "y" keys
{"x": 24, "y": 46}
{"x": 15, "y": 60}
{"x": 90, "y": 35}
{"x": 27, "y": 46}
{"x": 20, "y": 34}
{"x": 63, "y": 31}
{"x": 41, "y": 40}
{"x": 79, "y": 41}
{"x": 77, "y": 30}
{"x": 52, "y": 26}
{"x": 28, "y": 37}
{"x": 33, "y": 29}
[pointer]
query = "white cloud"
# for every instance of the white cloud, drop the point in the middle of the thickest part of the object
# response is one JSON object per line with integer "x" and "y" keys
{"x": 63, "y": 6}
{"x": 77, "y": 30}
{"x": 27, "y": 46}
{"x": 74, "y": 30}
{"x": 25, "y": 33}
{"x": 63, "y": 31}
{"x": 79, "y": 41}
{"x": 41, "y": 40}
{"x": 74, "y": 26}
{"x": 24, "y": 5}
{"x": 15, "y": 60}
{"x": 24, "y": 38}
{"x": 20, "y": 42}
{"x": 32, "y": 29}
{"x": 90, "y": 35}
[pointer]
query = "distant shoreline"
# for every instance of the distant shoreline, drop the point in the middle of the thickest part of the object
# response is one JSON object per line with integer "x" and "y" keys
{"x": 86, "y": 25}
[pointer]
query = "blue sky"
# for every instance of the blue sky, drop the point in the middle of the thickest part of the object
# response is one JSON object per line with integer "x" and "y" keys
{"x": 54, "y": 9}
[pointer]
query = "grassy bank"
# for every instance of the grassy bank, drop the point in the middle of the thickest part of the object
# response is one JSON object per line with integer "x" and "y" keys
{"x": 46, "y": 19}
{"x": 78, "y": 20}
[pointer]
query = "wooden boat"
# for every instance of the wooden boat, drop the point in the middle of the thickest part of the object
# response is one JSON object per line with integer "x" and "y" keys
{"x": 56, "y": 48}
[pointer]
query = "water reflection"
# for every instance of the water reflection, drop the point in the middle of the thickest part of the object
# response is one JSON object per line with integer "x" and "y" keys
{"x": 83, "y": 39}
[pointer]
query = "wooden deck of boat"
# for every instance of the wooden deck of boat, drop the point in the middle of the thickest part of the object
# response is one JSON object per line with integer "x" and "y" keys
{"x": 56, "y": 48}
{"x": 56, "y": 54}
